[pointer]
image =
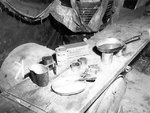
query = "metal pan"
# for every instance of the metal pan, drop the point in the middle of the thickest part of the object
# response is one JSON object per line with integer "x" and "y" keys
{"x": 111, "y": 45}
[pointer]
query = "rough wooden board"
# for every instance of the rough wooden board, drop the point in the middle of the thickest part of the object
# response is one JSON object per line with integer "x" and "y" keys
{"x": 9, "y": 106}
{"x": 22, "y": 56}
{"x": 110, "y": 73}
{"x": 44, "y": 98}
{"x": 47, "y": 100}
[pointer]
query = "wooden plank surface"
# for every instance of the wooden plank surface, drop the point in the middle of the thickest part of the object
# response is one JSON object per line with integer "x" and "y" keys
{"x": 10, "y": 106}
{"x": 111, "y": 72}
{"x": 48, "y": 101}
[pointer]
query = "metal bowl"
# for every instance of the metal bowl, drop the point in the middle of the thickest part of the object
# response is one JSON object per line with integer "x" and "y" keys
{"x": 109, "y": 45}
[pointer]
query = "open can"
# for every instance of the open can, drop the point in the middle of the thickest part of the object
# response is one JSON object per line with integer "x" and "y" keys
{"x": 49, "y": 62}
{"x": 61, "y": 56}
{"x": 39, "y": 74}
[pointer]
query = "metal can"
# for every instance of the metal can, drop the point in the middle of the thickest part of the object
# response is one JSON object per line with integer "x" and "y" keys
{"x": 61, "y": 56}
{"x": 75, "y": 66}
{"x": 49, "y": 61}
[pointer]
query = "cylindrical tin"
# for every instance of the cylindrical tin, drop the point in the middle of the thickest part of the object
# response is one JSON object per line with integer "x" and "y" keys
{"x": 49, "y": 61}
{"x": 107, "y": 58}
{"x": 82, "y": 60}
{"x": 61, "y": 56}
{"x": 75, "y": 66}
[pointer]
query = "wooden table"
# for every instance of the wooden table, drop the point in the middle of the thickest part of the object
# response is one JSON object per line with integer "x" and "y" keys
{"x": 43, "y": 100}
